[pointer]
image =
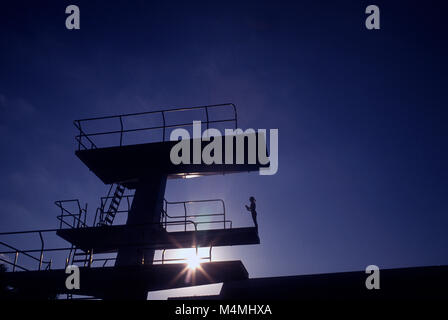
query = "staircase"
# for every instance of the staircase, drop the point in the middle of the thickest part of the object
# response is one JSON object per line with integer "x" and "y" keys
{"x": 107, "y": 218}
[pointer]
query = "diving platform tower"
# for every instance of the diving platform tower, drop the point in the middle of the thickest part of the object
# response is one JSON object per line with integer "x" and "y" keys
{"x": 144, "y": 168}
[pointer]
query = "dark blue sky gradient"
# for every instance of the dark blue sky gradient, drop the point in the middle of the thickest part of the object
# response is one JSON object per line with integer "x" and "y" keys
{"x": 361, "y": 116}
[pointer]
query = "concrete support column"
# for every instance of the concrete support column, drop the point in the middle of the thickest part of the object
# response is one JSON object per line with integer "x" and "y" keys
{"x": 146, "y": 209}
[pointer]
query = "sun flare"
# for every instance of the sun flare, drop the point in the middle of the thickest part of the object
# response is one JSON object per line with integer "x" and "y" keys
{"x": 193, "y": 261}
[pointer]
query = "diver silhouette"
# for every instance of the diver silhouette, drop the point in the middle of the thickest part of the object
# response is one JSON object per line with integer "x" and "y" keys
{"x": 251, "y": 209}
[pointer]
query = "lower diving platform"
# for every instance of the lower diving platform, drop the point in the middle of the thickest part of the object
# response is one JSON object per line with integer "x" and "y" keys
{"x": 103, "y": 282}
{"x": 110, "y": 238}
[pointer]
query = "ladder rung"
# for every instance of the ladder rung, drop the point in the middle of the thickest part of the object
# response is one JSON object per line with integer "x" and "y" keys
{"x": 114, "y": 205}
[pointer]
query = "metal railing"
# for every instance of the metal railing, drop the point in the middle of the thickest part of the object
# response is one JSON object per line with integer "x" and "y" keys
{"x": 26, "y": 253}
{"x": 163, "y": 260}
{"x": 85, "y": 140}
{"x": 47, "y": 264}
{"x": 186, "y": 215}
{"x": 77, "y": 220}
{"x": 178, "y": 218}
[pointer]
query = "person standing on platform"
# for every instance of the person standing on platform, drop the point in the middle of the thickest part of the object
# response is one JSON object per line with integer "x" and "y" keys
{"x": 252, "y": 210}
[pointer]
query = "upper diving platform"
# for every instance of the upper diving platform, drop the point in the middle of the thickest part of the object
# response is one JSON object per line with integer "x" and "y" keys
{"x": 124, "y": 148}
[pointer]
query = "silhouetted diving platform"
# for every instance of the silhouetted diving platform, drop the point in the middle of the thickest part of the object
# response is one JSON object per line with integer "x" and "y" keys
{"x": 111, "y": 238}
{"x": 99, "y": 282}
{"x": 127, "y": 164}
{"x": 115, "y": 157}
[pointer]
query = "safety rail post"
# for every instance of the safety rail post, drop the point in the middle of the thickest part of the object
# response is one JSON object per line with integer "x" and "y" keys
{"x": 224, "y": 212}
{"x": 41, "y": 250}
{"x": 62, "y": 214}
{"x": 78, "y": 125}
{"x": 166, "y": 212}
{"x": 163, "y": 256}
{"x": 85, "y": 215}
{"x": 90, "y": 258}
{"x": 15, "y": 261}
{"x": 164, "y": 125}
{"x": 121, "y": 131}
{"x": 96, "y": 214}
{"x": 236, "y": 117}
{"x": 79, "y": 215}
{"x": 185, "y": 216}
{"x": 206, "y": 114}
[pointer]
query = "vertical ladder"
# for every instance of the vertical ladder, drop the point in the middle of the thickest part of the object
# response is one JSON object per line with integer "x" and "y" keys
{"x": 107, "y": 219}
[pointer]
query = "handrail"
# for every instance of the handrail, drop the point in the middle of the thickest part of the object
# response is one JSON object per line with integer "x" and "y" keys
{"x": 25, "y": 253}
{"x": 185, "y": 216}
{"x": 42, "y": 250}
{"x": 165, "y": 215}
{"x": 48, "y": 263}
{"x": 77, "y": 217}
{"x": 156, "y": 261}
{"x": 16, "y": 251}
{"x": 82, "y": 134}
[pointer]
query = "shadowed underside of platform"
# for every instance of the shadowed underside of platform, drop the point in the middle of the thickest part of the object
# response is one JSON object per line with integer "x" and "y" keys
{"x": 127, "y": 164}
{"x": 404, "y": 283}
{"x": 104, "y": 282}
{"x": 111, "y": 238}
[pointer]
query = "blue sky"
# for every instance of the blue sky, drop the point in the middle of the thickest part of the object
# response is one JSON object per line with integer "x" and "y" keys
{"x": 361, "y": 116}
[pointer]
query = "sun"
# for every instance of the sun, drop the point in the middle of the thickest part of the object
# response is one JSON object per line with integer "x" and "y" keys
{"x": 193, "y": 261}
